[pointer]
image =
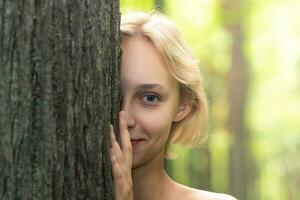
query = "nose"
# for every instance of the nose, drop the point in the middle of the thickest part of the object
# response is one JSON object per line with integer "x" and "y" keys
{"x": 128, "y": 114}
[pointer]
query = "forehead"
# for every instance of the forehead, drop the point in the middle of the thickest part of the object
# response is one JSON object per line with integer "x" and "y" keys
{"x": 142, "y": 63}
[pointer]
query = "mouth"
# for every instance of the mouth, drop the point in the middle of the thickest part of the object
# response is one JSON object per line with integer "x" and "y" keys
{"x": 135, "y": 141}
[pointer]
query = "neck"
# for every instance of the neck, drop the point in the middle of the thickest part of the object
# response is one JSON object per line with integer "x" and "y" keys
{"x": 150, "y": 180}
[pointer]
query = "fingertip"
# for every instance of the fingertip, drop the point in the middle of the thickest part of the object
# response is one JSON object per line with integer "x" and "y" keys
{"x": 111, "y": 128}
{"x": 122, "y": 112}
{"x": 112, "y": 135}
{"x": 123, "y": 121}
{"x": 122, "y": 115}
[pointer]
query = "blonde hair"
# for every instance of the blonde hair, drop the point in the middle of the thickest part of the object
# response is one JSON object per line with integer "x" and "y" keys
{"x": 165, "y": 37}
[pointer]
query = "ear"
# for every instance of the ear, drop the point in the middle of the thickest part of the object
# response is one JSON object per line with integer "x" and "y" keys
{"x": 183, "y": 111}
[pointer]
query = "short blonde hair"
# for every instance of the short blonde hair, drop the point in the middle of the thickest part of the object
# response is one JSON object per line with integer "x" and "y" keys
{"x": 165, "y": 37}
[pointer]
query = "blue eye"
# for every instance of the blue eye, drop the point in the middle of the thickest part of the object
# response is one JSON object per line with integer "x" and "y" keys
{"x": 151, "y": 98}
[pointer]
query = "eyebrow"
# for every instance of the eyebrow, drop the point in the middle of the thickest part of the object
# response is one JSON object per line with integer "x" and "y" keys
{"x": 150, "y": 86}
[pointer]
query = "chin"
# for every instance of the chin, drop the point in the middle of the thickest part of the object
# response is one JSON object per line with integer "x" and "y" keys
{"x": 137, "y": 162}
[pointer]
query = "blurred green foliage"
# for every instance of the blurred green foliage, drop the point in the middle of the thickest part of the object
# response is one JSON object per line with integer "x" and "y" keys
{"x": 271, "y": 47}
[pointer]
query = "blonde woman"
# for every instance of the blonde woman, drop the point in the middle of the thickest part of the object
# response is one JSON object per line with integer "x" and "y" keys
{"x": 163, "y": 103}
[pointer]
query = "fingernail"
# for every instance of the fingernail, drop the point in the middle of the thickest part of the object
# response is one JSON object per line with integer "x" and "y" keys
{"x": 122, "y": 113}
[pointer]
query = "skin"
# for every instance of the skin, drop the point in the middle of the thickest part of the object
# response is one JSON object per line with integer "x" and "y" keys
{"x": 150, "y": 107}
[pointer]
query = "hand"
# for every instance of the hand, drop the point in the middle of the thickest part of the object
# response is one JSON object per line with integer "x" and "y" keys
{"x": 121, "y": 160}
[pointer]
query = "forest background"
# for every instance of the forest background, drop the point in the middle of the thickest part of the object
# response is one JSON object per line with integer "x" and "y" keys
{"x": 249, "y": 53}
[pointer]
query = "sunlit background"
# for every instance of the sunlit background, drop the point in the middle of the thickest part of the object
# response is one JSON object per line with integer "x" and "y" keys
{"x": 249, "y": 54}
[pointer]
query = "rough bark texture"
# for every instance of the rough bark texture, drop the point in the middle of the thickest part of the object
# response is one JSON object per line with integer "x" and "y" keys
{"x": 59, "y": 90}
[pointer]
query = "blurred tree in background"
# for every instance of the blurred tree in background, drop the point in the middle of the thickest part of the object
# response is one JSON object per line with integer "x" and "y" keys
{"x": 249, "y": 54}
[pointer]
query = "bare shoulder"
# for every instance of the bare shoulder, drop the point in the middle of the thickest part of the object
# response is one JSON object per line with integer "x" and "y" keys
{"x": 194, "y": 194}
{"x": 205, "y": 195}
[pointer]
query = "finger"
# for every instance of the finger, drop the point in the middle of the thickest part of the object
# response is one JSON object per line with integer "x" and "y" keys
{"x": 115, "y": 145}
{"x": 112, "y": 135}
{"x": 124, "y": 133}
{"x": 125, "y": 139}
{"x": 116, "y": 171}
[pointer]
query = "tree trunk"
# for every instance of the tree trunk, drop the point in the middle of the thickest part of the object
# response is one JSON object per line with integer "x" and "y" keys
{"x": 237, "y": 88}
{"x": 237, "y": 93}
{"x": 160, "y": 5}
{"x": 59, "y": 90}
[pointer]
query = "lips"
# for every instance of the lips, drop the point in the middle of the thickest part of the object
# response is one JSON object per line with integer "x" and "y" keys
{"x": 135, "y": 141}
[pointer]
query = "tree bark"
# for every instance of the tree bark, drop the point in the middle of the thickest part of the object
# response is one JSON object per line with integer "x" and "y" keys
{"x": 59, "y": 90}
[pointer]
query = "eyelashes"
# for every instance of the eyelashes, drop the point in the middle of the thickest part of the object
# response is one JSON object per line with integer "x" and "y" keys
{"x": 150, "y": 98}
{"x": 145, "y": 98}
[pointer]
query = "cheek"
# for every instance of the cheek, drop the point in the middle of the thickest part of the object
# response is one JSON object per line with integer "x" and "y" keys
{"x": 156, "y": 123}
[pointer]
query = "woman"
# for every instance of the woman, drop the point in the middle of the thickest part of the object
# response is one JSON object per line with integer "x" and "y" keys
{"x": 163, "y": 103}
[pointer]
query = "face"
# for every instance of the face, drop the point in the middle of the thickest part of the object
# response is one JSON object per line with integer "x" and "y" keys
{"x": 150, "y": 99}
